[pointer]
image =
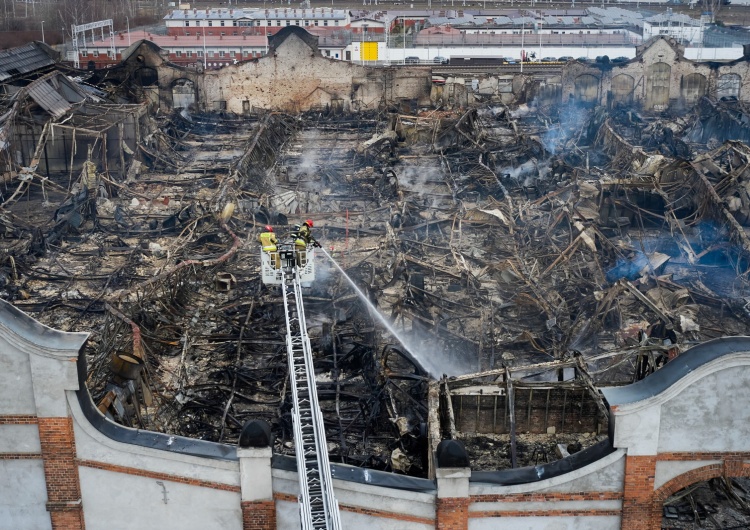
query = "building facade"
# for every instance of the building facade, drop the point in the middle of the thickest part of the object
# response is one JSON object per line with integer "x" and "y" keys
{"x": 188, "y": 21}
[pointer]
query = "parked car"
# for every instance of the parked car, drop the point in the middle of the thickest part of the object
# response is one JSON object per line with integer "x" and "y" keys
{"x": 565, "y": 58}
{"x": 583, "y": 60}
{"x": 411, "y": 60}
{"x": 620, "y": 60}
{"x": 440, "y": 60}
{"x": 549, "y": 59}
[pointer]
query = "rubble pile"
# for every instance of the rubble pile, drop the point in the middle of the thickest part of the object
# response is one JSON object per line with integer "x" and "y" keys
{"x": 522, "y": 256}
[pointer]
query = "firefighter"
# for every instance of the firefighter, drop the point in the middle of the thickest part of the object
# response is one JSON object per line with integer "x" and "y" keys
{"x": 268, "y": 241}
{"x": 300, "y": 246}
{"x": 305, "y": 233}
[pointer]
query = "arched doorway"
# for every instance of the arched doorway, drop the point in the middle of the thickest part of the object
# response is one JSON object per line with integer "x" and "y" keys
{"x": 183, "y": 93}
{"x": 657, "y": 88}
{"x": 146, "y": 76}
{"x": 693, "y": 87}
{"x": 587, "y": 88}
{"x": 729, "y": 86}
{"x": 712, "y": 496}
{"x": 622, "y": 89}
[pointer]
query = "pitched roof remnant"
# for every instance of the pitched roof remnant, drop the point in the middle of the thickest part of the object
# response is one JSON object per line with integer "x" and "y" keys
{"x": 24, "y": 59}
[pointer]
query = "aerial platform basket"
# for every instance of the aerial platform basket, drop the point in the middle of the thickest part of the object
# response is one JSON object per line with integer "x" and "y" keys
{"x": 287, "y": 258}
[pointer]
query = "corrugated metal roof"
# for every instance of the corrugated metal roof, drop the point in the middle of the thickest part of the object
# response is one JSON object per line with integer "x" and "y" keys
{"x": 54, "y": 93}
{"x": 22, "y": 60}
{"x": 49, "y": 99}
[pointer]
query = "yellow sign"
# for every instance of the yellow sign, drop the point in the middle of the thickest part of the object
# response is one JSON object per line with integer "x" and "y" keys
{"x": 369, "y": 51}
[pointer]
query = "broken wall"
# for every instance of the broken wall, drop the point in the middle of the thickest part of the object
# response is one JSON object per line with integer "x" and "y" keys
{"x": 658, "y": 78}
{"x": 296, "y": 79}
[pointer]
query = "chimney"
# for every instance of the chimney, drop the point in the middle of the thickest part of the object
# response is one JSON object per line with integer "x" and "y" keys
{"x": 122, "y": 37}
{"x": 175, "y": 37}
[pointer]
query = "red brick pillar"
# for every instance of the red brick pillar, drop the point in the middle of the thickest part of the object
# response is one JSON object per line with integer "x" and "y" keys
{"x": 639, "y": 511}
{"x": 61, "y": 473}
{"x": 258, "y": 506}
{"x": 258, "y": 515}
{"x": 452, "y": 514}
{"x": 452, "y": 508}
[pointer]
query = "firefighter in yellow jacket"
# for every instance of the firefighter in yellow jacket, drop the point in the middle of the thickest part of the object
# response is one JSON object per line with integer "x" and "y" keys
{"x": 268, "y": 241}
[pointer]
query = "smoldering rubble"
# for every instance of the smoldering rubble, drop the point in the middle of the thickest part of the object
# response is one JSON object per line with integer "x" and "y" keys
{"x": 520, "y": 257}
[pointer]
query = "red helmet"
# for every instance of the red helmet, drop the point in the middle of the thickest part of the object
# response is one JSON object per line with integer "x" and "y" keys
{"x": 309, "y": 223}
{"x": 269, "y": 228}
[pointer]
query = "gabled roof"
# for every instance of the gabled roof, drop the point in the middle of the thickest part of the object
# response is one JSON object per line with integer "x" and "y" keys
{"x": 275, "y": 41}
{"x": 671, "y": 42}
{"x": 25, "y": 59}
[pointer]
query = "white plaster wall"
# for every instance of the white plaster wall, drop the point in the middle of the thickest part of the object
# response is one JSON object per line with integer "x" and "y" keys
{"x": 93, "y": 445}
{"x": 708, "y": 415}
{"x": 713, "y": 54}
{"x": 514, "y": 52}
{"x": 666, "y": 470}
{"x": 23, "y": 495}
{"x": 16, "y": 390}
{"x": 358, "y": 520}
{"x": 287, "y": 515}
{"x": 639, "y": 430}
{"x": 115, "y": 501}
{"x": 606, "y": 474}
{"x": 19, "y": 439}
{"x": 593, "y": 522}
{"x": 353, "y": 494}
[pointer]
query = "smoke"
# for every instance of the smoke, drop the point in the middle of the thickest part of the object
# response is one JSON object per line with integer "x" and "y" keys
{"x": 311, "y": 159}
{"x": 572, "y": 118}
{"x": 526, "y": 173}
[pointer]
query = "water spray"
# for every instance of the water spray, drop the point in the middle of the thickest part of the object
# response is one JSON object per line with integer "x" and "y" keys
{"x": 435, "y": 362}
{"x": 374, "y": 311}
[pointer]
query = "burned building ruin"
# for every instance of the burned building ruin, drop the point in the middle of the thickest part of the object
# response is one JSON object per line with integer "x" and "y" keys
{"x": 519, "y": 242}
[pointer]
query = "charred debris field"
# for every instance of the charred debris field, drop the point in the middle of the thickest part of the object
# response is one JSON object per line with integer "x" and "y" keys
{"x": 526, "y": 255}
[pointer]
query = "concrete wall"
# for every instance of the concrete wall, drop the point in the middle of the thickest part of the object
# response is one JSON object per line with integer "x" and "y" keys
{"x": 296, "y": 78}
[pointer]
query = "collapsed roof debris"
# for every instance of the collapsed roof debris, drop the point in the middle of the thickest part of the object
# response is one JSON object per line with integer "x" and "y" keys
{"x": 523, "y": 255}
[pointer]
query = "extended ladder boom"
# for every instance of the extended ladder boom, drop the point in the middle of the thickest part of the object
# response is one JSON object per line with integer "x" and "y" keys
{"x": 318, "y": 505}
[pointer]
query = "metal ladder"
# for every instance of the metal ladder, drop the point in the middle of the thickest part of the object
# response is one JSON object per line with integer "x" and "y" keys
{"x": 318, "y": 506}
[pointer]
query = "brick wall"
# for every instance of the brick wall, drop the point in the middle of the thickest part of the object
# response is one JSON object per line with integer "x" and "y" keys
{"x": 61, "y": 473}
{"x": 638, "y": 491}
{"x": 452, "y": 514}
{"x": 258, "y": 515}
{"x": 568, "y": 410}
